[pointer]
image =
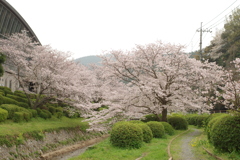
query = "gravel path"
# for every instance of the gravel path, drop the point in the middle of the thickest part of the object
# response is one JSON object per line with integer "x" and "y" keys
{"x": 187, "y": 153}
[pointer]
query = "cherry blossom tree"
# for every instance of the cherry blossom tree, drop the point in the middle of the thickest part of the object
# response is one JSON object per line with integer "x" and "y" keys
{"x": 52, "y": 73}
{"x": 161, "y": 78}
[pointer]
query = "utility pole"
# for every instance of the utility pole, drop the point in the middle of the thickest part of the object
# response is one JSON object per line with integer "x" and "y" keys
{"x": 200, "y": 44}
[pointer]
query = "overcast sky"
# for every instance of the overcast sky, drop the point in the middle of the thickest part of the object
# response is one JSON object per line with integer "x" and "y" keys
{"x": 89, "y": 27}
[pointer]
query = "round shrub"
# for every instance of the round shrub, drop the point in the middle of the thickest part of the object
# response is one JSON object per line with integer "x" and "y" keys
{"x": 200, "y": 120}
{"x": 18, "y": 116}
{"x": 44, "y": 113}
{"x": 157, "y": 129}
{"x": 147, "y": 132}
{"x": 126, "y": 135}
{"x": 178, "y": 123}
{"x": 20, "y": 94}
{"x": 168, "y": 128}
{"x": 214, "y": 118}
{"x": 3, "y": 114}
{"x": 6, "y": 90}
{"x": 225, "y": 134}
{"x": 151, "y": 117}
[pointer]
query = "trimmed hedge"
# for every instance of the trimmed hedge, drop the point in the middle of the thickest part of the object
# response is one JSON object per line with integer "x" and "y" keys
{"x": 197, "y": 120}
{"x": 168, "y": 128}
{"x": 147, "y": 132}
{"x": 214, "y": 118}
{"x": 7, "y": 100}
{"x": 20, "y": 94}
{"x": 151, "y": 117}
{"x": 126, "y": 135}
{"x": 157, "y": 129}
{"x": 178, "y": 123}
{"x": 17, "y": 98}
{"x": 44, "y": 113}
{"x": 11, "y": 108}
{"x": 225, "y": 133}
{"x": 3, "y": 114}
{"x": 6, "y": 90}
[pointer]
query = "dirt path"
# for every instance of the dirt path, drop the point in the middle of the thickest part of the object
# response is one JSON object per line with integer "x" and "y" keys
{"x": 187, "y": 153}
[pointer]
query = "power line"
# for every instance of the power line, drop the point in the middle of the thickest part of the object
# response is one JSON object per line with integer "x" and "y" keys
{"x": 220, "y": 13}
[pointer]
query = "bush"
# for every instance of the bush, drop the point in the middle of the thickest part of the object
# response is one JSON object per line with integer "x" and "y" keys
{"x": 44, "y": 114}
{"x": 11, "y": 108}
{"x": 7, "y": 100}
{"x": 151, "y": 117}
{"x": 58, "y": 114}
{"x": 168, "y": 128}
{"x": 34, "y": 112}
{"x": 22, "y": 115}
{"x": 3, "y": 114}
{"x": 225, "y": 133}
{"x": 6, "y": 90}
{"x": 52, "y": 109}
{"x": 213, "y": 118}
{"x": 17, "y": 98}
{"x": 156, "y": 128}
{"x": 24, "y": 105}
{"x": 20, "y": 94}
{"x": 18, "y": 116}
{"x": 126, "y": 135}
{"x": 178, "y": 123}
{"x": 197, "y": 120}
{"x": 147, "y": 132}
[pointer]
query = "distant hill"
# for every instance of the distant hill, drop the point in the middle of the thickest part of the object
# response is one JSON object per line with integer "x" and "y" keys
{"x": 89, "y": 60}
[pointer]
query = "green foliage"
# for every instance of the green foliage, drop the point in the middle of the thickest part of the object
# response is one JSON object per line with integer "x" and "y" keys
{"x": 17, "y": 98}
{"x": 44, "y": 113}
{"x": 178, "y": 123}
{"x": 6, "y": 100}
{"x": 151, "y": 117}
{"x": 6, "y": 90}
{"x": 147, "y": 132}
{"x": 24, "y": 105}
{"x": 126, "y": 135}
{"x": 52, "y": 109}
{"x": 225, "y": 134}
{"x": 3, "y": 114}
{"x": 20, "y": 94}
{"x": 197, "y": 120}
{"x": 211, "y": 121}
{"x": 168, "y": 128}
{"x": 11, "y": 108}
{"x": 58, "y": 114}
{"x": 157, "y": 129}
{"x": 20, "y": 116}
{"x": 34, "y": 112}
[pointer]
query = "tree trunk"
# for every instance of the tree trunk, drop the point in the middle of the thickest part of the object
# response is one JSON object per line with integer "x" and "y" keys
{"x": 164, "y": 114}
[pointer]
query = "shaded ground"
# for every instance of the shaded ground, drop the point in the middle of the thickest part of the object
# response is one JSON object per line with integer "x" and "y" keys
{"x": 187, "y": 149}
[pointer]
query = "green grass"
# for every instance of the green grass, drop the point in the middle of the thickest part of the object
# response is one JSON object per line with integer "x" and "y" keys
{"x": 157, "y": 149}
{"x": 39, "y": 124}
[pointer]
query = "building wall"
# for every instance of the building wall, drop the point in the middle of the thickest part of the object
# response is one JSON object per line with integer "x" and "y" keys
{"x": 12, "y": 22}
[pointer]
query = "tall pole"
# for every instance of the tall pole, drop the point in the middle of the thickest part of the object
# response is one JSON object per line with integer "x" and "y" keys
{"x": 200, "y": 44}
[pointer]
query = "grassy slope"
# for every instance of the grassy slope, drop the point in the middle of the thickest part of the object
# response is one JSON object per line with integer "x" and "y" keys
{"x": 38, "y": 124}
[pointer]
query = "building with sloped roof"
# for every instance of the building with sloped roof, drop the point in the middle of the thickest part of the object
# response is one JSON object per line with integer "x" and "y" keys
{"x": 12, "y": 22}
